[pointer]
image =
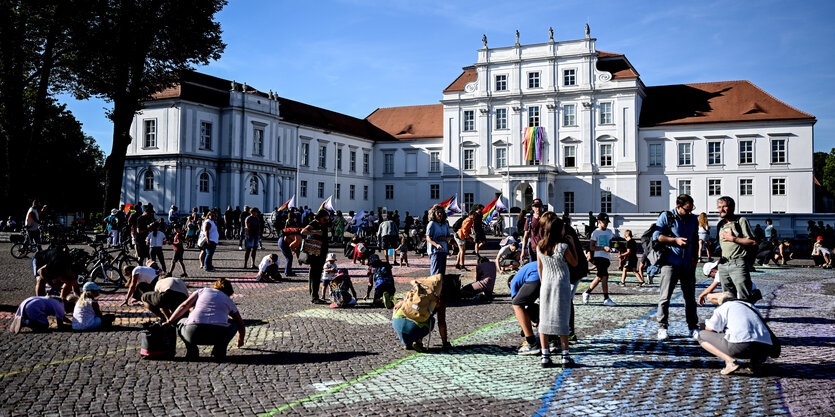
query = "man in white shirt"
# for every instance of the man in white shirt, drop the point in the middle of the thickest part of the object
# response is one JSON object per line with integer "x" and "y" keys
{"x": 268, "y": 269}
{"x": 736, "y": 330}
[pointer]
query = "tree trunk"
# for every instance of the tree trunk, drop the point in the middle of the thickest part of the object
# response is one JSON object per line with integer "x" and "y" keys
{"x": 114, "y": 165}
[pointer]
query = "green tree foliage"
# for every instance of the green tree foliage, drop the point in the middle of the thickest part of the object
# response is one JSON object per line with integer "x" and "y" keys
{"x": 131, "y": 49}
{"x": 828, "y": 177}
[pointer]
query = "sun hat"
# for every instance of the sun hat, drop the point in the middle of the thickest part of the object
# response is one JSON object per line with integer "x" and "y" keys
{"x": 331, "y": 256}
{"x": 708, "y": 267}
{"x": 91, "y": 286}
{"x": 114, "y": 211}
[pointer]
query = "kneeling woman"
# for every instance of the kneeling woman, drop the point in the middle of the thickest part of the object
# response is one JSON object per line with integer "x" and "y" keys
{"x": 209, "y": 323}
{"x": 735, "y": 331}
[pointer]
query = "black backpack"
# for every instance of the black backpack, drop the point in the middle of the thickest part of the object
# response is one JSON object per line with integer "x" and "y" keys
{"x": 457, "y": 225}
{"x": 655, "y": 252}
{"x": 581, "y": 270}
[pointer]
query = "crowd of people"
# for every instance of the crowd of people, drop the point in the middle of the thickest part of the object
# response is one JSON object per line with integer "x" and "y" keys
{"x": 545, "y": 262}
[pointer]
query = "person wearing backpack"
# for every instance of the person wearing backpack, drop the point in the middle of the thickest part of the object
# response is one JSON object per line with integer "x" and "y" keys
{"x": 414, "y": 315}
{"x": 112, "y": 226}
{"x": 533, "y": 232}
{"x": 738, "y": 244}
{"x": 678, "y": 230}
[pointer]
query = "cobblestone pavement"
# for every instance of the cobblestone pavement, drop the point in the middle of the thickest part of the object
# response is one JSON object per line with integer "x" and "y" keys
{"x": 306, "y": 359}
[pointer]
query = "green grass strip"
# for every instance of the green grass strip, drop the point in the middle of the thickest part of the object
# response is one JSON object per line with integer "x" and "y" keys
{"x": 373, "y": 373}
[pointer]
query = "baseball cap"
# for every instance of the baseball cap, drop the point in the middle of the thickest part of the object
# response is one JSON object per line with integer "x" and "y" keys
{"x": 708, "y": 267}
{"x": 820, "y": 238}
{"x": 603, "y": 217}
{"x": 537, "y": 203}
{"x": 91, "y": 286}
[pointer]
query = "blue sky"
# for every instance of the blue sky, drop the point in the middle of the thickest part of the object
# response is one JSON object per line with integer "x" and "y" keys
{"x": 353, "y": 56}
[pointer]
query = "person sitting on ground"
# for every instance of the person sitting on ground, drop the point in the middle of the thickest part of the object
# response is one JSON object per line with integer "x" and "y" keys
{"x": 765, "y": 251}
{"x": 179, "y": 251}
{"x": 735, "y": 331}
{"x": 167, "y": 295}
{"x": 403, "y": 250}
{"x": 141, "y": 280}
{"x": 208, "y": 323}
{"x": 711, "y": 270}
{"x": 328, "y": 274}
{"x": 508, "y": 257}
{"x": 54, "y": 266}
{"x": 821, "y": 254}
{"x": 381, "y": 280}
{"x": 783, "y": 254}
{"x": 87, "y": 315}
{"x": 524, "y": 293}
{"x": 630, "y": 259}
{"x": 34, "y": 313}
{"x": 485, "y": 280}
{"x": 268, "y": 269}
{"x": 361, "y": 250}
{"x": 342, "y": 290}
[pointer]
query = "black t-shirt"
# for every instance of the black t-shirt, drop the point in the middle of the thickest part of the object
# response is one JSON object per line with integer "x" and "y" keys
{"x": 632, "y": 246}
{"x": 143, "y": 225}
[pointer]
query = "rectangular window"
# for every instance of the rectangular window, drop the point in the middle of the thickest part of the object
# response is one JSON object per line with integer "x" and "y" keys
{"x": 338, "y": 191}
{"x": 569, "y": 115}
{"x": 605, "y": 113}
{"x": 303, "y": 188}
{"x": 320, "y": 191}
{"x": 778, "y": 186}
{"x": 746, "y": 152}
{"x": 434, "y": 162}
{"x": 501, "y": 82}
{"x": 388, "y": 163}
{"x": 533, "y": 116}
{"x": 352, "y": 191}
{"x": 714, "y": 153}
{"x": 714, "y": 187}
{"x": 569, "y": 77}
{"x": 434, "y": 191}
{"x": 353, "y": 162}
{"x": 501, "y": 118}
{"x": 685, "y": 154}
{"x": 258, "y": 142}
{"x": 605, "y": 154}
{"x": 323, "y": 157}
{"x": 746, "y": 186}
{"x": 206, "y": 136}
{"x": 389, "y": 192}
{"x": 339, "y": 159}
{"x": 501, "y": 157}
{"x": 469, "y": 121}
{"x": 469, "y": 155}
{"x": 684, "y": 187}
{"x": 150, "y": 133}
{"x": 568, "y": 199}
{"x": 655, "y": 188}
{"x": 365, "y": 163}
{"x": 778, "y": 151}
{"x": 533, "y": 80}
{"x": 468, "y": 200}
{"x": 606, "y": 201}
{"x": 365, "y": 192}
{"x": 305, "y": 154}
{"x": 656, "y": 154}
{"x": 569, "y": 156}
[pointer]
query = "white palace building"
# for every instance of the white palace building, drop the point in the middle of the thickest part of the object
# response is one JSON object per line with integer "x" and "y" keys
{"x": 602, "y": 141}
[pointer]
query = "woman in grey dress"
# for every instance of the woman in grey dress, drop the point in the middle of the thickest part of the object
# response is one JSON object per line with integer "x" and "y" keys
{"x": 554, "y": 256}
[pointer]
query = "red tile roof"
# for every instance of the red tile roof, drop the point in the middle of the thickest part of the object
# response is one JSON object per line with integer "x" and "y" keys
{"x": 469, "y": 75}
{"x": 410, "y": 122}
{"x": 716, "y": 102}
{"x": 616, "y": 64}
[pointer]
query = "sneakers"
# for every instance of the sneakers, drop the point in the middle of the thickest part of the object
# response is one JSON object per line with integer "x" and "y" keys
{"x": 546, "y": 362}
{"x": 183, "y": 275}
{"x": 388, "y": 300}
{"x": 240, "y": 248}
{"x": 695, "y": 334}
{"x": 529, "y": 350}
{"x": 662, "y": 334}
{"x": 585, "y": 297}
{"x": 609, "y": 303}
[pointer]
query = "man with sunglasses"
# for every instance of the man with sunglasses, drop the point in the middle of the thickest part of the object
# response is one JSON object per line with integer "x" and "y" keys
{"x": 678, "y": 231}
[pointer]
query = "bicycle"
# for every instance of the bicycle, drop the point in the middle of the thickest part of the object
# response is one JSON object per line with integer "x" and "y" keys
{"x": 22, "y": 245}
{"x": 100, "y": 269}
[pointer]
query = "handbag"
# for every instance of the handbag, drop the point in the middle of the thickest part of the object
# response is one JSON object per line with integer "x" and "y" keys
{"x": 201, "y": 241}
{"x": 312, "y": 247}
{"x": 775, "y": 342}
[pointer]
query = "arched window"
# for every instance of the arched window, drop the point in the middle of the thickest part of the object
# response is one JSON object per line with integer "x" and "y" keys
{"x": 149, "y": 180}
{"x": 253, "y": 185}
{"x": 204, "y": 183}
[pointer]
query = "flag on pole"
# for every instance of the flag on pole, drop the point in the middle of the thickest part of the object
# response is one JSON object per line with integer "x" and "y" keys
{"x": 451, "y": 205}
{"x": 532, "y": 143}
{"x": 493, "y": 209}
{"x": 291, "y": 203}
{"x": 128, "y": 208}
{"x": 327, "y": 205}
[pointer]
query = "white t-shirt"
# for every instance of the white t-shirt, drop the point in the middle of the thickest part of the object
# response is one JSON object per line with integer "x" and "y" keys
{"x": 265, "y": 262}
{"x": 34, "y": 223}
{"x": 505, "y": 253}
{"x": 171, "y": 284}
{"x": 155, "y": 241}
{"x": 602, "y": 238}
{"x": 144, "y": 274}
{"x": 213, "y": 235}
{"x": 821, "y": 250}
{"x": 329, "y": 273}
{"x": 739, "y": 323}
{"x": 83, "y": 315}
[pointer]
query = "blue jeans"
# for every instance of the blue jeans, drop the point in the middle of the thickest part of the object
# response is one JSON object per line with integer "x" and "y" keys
{"x": 437, "y": 263}
{"x": 288, "y": 256}
{"x": 409, "y": 332}
{"x": 210, "y": 252}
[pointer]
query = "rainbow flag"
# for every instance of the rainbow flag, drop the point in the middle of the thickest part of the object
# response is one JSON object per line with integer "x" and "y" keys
{"x": 291, "y": 203}
{"x": 493, "y": 209}
{"x": 451, "y": 205}
{"x": 327, "y": 205}
{"x": 532, "y": 143}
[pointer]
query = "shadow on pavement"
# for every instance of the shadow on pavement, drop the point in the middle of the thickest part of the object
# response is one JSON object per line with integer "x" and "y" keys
{"x": 801, "y": 320}
{"x": 273, "y": 357}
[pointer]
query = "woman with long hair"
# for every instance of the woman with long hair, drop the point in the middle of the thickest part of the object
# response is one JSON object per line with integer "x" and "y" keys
{"x": 554, "y": 256}
{"x": 704, "y": 236}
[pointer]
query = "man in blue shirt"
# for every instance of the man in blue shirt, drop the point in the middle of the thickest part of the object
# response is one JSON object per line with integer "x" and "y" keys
{"x": 524, "y": 290}
{"x": 678, "y": 230}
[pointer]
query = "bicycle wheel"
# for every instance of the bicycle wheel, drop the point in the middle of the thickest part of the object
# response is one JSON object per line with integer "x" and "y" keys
{"x": 19, "y": 250}
{"x": 108, "y": 277}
